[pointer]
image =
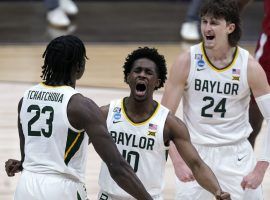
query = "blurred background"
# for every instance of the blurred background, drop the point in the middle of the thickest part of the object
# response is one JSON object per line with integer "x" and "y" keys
{"x": 111, "y": 29}
{"x": 113, "y": 21}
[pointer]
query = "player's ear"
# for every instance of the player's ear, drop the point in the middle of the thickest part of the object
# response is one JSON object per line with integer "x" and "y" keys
{"x": 158, "y": 83}
{"x": 128, "y": 77}
{"x": 80, "y": 69}
{"x": 231, "y": 28}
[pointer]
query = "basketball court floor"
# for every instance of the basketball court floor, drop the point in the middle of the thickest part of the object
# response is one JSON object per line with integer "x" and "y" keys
{"x": 20, "y": 67}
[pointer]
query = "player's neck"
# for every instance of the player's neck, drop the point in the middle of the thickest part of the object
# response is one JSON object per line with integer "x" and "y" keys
{"x": 139, "y": 111}
{"x": 221, "y": 57}
{"x": 60, "y": 83}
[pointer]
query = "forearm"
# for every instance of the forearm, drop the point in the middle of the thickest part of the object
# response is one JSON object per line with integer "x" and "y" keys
{"x": 206, "y": 178}
{"x": 263, "y": 104}
{"x": 125, "y": 177}
{"x": 264, "y": 158}
{"x": 175, "y": 156}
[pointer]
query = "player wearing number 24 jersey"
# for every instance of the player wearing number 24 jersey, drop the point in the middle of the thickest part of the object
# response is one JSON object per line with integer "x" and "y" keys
{"x": 142, "y": 130}
{"x": 215, "y": 78}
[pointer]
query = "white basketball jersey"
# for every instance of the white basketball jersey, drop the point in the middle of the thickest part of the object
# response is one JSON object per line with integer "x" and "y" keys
{"x": 52, "y": 145}
{"x": 216, "y": 101}
{"x": 141, "y": 144}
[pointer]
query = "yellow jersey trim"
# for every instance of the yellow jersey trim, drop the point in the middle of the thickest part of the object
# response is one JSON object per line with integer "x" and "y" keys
{"x": 141, "y": 123}
{"x": 213, "y": 66}
{"x": 71, "y": 146}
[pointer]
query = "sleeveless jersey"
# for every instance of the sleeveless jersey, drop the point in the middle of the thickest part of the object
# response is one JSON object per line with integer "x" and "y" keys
{"x": 141, "y": 144}
{"x": 52, "y": 145}
{"x": 216, "y": 101}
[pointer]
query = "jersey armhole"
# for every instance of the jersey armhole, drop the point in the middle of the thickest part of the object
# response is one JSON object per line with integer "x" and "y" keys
{"x": 66, "y": 116}
{"x": 191, "y": 67}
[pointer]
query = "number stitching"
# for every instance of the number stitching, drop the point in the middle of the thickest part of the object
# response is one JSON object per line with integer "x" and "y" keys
{"x": 220, "y": 107}
{"x": 128, "y": 157}
{"x": 36, "y": 117}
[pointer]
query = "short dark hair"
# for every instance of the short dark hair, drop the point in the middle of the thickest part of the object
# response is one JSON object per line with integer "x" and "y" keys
{"x": 151, "y": 54}
{"x": 61, "y": 54}
{"x": 227, "y": 9}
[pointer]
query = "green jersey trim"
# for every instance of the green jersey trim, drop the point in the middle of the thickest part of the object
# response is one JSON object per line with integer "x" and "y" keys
{"x": 74, "y": 141}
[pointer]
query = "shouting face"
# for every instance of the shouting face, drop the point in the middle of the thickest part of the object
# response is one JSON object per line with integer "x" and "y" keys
{"x": 215, "y": 31}
{"x": 143, "y": 79}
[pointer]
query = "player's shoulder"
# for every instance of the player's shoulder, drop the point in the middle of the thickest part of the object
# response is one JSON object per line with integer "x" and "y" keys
{"x": 105, "y": 110}
{"x": 172, "y": 120}
{"x": 79, "y": 102}
{"x": 253, "y": 65}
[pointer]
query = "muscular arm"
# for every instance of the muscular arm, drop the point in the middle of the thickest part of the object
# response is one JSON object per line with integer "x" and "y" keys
{"x": 176, "y": 130}
{"x": 259, "y": 85}
{"x": 83, "y": 113}
{"x": 171, "y": 98}
{"x": 13, "y": 166}
{"x": 105, "y": 110}
{"x": 21, "y": 136}
{"x": 175, "y": 85}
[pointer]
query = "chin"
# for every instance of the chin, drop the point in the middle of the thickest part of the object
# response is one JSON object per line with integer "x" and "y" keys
{"x": 208, "y": 45}
{"x": 140, "y": 98}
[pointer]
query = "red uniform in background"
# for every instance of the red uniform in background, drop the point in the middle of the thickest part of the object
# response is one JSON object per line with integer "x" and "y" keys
{"x": 262, "y": 54}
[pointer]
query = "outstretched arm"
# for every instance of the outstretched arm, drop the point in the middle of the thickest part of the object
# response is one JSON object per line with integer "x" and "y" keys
{"x": 83, "y": 113}
{"x": 176, "y": 130}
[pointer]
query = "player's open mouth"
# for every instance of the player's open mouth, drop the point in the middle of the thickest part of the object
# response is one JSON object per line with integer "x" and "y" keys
{"x": 140, "y": 89}
{"x": 209, "y": 37}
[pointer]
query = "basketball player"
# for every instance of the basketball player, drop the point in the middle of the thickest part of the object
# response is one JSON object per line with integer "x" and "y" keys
{"x": 142, "y": 130}
{"x": 214, "y": 78}
{"x": 262, "y": 56}
{"x": 55, "y": 125}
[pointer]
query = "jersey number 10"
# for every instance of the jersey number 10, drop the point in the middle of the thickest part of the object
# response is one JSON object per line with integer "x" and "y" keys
{"x": 132, "y": 157}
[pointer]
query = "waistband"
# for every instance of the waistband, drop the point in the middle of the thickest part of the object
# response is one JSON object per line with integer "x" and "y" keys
{"x": 225, "y": 144}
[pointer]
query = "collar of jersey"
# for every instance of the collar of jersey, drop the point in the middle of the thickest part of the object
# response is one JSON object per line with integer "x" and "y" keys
{"x": 235, "y": 55}
{"x": 141, "y": 123}
{"x": 51, "y": 86}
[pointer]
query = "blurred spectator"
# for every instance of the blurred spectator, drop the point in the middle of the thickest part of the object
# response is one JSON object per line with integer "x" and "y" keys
{"x": 59, "y": 10}
{"x": 190, "y": 28}
{"x": 262, "y": 56}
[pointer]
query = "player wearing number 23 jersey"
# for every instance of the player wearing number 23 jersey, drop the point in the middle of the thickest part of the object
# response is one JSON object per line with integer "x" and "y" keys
{"x": 56, "y": 124}
{"x": 55, "y": 151}
{"x": 44, "y": 109}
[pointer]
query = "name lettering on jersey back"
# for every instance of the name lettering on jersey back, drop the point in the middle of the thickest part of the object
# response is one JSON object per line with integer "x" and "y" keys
{"x": 216, "y": 87}
{"x": 133, "y": 140}
{"x": 45, "y": 96}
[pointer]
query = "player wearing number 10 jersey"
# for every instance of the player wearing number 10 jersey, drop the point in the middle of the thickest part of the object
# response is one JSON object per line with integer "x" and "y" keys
{"x": 141, "y": 144}
{"x": 142, "y": 130}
